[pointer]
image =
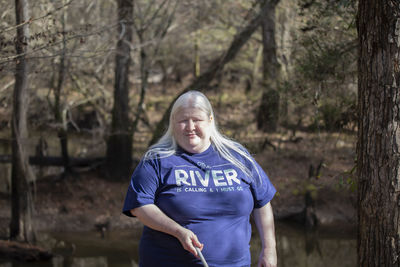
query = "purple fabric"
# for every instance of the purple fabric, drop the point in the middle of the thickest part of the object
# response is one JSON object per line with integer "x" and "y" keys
{"x": 204, "y": 193}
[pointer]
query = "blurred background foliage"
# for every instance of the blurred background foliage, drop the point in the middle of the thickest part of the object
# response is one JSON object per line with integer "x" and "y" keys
{"x": 280, "y": 74}
{"x": 315, "y": 48}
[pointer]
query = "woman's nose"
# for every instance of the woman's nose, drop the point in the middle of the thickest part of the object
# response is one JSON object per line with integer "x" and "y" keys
{"x": 190, "y": 125}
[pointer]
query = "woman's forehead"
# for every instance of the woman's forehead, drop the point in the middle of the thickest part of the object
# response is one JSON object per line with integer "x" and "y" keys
{"x": 190, "y": 111}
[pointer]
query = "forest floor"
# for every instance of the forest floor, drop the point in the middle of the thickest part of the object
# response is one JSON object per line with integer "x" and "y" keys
{"x": 86, "y": 201}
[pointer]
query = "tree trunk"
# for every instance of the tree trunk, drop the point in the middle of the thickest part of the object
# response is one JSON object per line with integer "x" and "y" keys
{"x": 268, "y": 114}
{"x": 119, "y": 145}
{"x": 216, "y": 67}
{"x": 21, "y": 201}
{"x": 196, "y": 68}
{"x": 378, "y": 161}
{"x": 60, "y": 119}
{"x": 144, "y": 74}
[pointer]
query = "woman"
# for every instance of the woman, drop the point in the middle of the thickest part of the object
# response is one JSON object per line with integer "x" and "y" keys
{"x": 197, "y": 189}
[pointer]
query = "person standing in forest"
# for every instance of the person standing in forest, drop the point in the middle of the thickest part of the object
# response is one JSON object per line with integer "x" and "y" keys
{"x": 194, "y": 190}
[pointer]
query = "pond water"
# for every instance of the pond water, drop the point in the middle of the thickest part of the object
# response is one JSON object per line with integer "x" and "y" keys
{"x": 296, "y": 248}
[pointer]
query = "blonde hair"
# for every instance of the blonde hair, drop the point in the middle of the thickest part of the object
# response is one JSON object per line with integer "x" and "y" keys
{"x": 167, "y": 146}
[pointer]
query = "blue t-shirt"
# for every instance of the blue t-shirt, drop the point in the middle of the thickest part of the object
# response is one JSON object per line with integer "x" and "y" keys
{"x": 204, "y": 193}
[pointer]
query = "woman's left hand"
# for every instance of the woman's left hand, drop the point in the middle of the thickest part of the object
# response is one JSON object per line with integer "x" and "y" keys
{"x": 264, "y": 219}
{"x": 267, "y": 258}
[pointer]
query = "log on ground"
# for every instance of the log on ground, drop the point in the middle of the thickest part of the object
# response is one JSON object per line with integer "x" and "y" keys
{"x": 22, "y": 251}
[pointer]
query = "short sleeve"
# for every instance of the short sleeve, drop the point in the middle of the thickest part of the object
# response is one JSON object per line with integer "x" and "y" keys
{"x": 262, "y": 189}
{"x": 142, "y": 188}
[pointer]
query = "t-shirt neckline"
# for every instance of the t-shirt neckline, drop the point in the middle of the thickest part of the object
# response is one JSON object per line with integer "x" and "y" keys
{"x": 209, "y": 150}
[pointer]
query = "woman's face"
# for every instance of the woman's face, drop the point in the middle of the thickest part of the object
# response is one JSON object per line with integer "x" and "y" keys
{"x": 191, "y": 129}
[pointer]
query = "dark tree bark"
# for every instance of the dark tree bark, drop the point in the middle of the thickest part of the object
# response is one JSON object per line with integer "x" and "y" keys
{"x": 119, "y": 144}
{"x": 268, "y": 113}
{"x": 378, "y": 159}
{"x": 144, "y": 74}
{"x": 21, "y": 201}
{"x": 60, "y": 119}
{"x": 202, "y": 82}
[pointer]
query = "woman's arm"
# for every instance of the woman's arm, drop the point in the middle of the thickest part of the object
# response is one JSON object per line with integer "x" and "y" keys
{"x": 151, "y": 216}
{"x": 264, "y": 219}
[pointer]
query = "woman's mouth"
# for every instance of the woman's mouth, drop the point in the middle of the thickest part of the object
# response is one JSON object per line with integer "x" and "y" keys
{"x": 190, "y": 135}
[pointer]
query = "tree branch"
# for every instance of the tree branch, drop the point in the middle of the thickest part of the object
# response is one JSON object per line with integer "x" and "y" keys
{"x": 216, "y": 67}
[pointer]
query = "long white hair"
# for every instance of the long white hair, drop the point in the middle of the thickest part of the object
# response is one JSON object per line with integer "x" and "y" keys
{"x": 167, "y": 145}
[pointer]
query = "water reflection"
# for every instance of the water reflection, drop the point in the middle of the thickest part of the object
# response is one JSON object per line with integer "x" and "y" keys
{"x": 301, "y": 248}
{"x": 296, "y": 247}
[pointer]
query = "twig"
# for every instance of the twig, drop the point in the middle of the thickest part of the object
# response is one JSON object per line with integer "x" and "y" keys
{"x": 34, "y": 19}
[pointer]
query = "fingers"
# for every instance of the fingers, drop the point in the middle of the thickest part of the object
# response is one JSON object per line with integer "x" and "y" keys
{"x": 267, "y": 258}
{"x": 194, "y": 242}
{"x": 189, "y": 241}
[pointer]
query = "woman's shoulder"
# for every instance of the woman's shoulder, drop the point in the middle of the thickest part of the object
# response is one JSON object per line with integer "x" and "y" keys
{"x": 238, "y": 150}
{"x": 161, "y": 159}
{"x": 153, "y": 164}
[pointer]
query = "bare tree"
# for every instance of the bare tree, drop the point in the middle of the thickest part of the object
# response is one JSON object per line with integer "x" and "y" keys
{"x": 58, "y": 110}
{"x": 151, "y": 27}
{"x": 202, "y": 82}
{"x": 21, "y": 205}
{"x": 378, "y": 145}
{"x": 119, "y": 144}
{"x": 268, "y": 113}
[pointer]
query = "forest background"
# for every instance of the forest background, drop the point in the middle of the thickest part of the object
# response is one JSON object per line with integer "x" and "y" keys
{"x": 282, "y": 76}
